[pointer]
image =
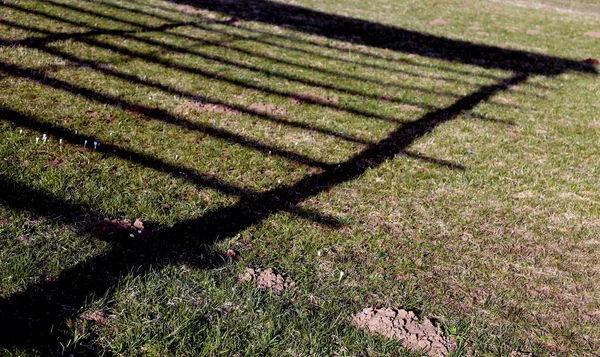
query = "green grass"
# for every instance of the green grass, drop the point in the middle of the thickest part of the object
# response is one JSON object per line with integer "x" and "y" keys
{"x": 465, "y": 189}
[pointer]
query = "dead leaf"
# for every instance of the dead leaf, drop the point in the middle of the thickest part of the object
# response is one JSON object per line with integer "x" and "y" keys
{"x": 229, "y": 307}
{"x": 92, "y": 114}
{"x": 23, "y": 239}
{"x": 98, "y": 317}
{"x": 592, "y": 61}
{"x": 230, "y": 253}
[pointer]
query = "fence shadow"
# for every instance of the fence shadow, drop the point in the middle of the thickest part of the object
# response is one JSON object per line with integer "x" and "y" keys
{"x": 36, "y": 314}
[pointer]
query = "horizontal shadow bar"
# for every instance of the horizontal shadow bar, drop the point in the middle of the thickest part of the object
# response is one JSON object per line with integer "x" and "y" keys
{"x": 157, "y": 114}
{"x": 197, "y": 71}
{"x": 373, "y": 34}
{"x": 197, "y": 179}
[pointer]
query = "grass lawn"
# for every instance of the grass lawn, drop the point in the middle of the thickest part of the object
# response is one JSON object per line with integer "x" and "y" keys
{"x": 439, "y": 157}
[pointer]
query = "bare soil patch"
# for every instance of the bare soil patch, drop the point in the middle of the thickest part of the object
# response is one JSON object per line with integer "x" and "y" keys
{"x": 438, "y": 22}
{"x": 533, "y": 32}
{"x": 409, "y": 108}
{"x": 592, "y": 34}
{"x": 266, "y": 279}
{"x": 198, "y": 107}
{"x": 121, "y": 226}
{"x": 98, "y": 317}
{"x": 300, "y": 98}
{"x": 187, "y": 9}
{"x": 404, "y": 326}
{"x": 267, "y": 109}
{"x": 520, "y": 354}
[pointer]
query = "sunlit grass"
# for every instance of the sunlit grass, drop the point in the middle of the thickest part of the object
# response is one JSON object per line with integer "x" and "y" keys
{"x": 299, "y": 152}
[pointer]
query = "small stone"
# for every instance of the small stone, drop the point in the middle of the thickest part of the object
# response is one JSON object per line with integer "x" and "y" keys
{"x": 138, "y": 224}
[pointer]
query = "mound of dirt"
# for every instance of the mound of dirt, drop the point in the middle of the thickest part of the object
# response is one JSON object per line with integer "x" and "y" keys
{"x": 266, "y": 279}
{"x": 404, "y": 326}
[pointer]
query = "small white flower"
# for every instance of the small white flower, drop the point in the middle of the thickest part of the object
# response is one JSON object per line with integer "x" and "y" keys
{"x": 95, "y": 145}
{"x": 319, "y": 253}
{"x": 176, "y": 157}
{"x": 37, "y": 140}
{"x": 60, "y": 142}
{"x": 44, "y": 137}
{"x": 84, "y": 143}
{"x": 341, "y": 275}
{"x": 131, "y": 235}
{"x": 21, "y": 131}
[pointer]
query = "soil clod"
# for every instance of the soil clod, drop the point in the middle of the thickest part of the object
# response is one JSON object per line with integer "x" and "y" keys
{"x": 404, "y": 326}
{"x": 266, "y": 279}
{"x": 122, "y": 227}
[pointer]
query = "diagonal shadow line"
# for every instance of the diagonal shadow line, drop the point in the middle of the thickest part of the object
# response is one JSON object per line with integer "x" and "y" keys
{"x": 197, "y": 179}
{"x": 194, "y": 97}
{"x": 167, "y": 89}
{"x": 294, "y": 39}
{"x": 313, "y": 53}
{"x": 197, "y": 71}
{"x": 187, "y": 50}
{"x": 157, "y": 114}
{"x": 389, "y": 37}
{"x": 134, "y": 79}
{"x": 255, "y": 68}
{"x": 288, "y": 77}
{"x": 61, "y": 36}
{"x": 40, "y": 308}
{"x": 200, "y": 26}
